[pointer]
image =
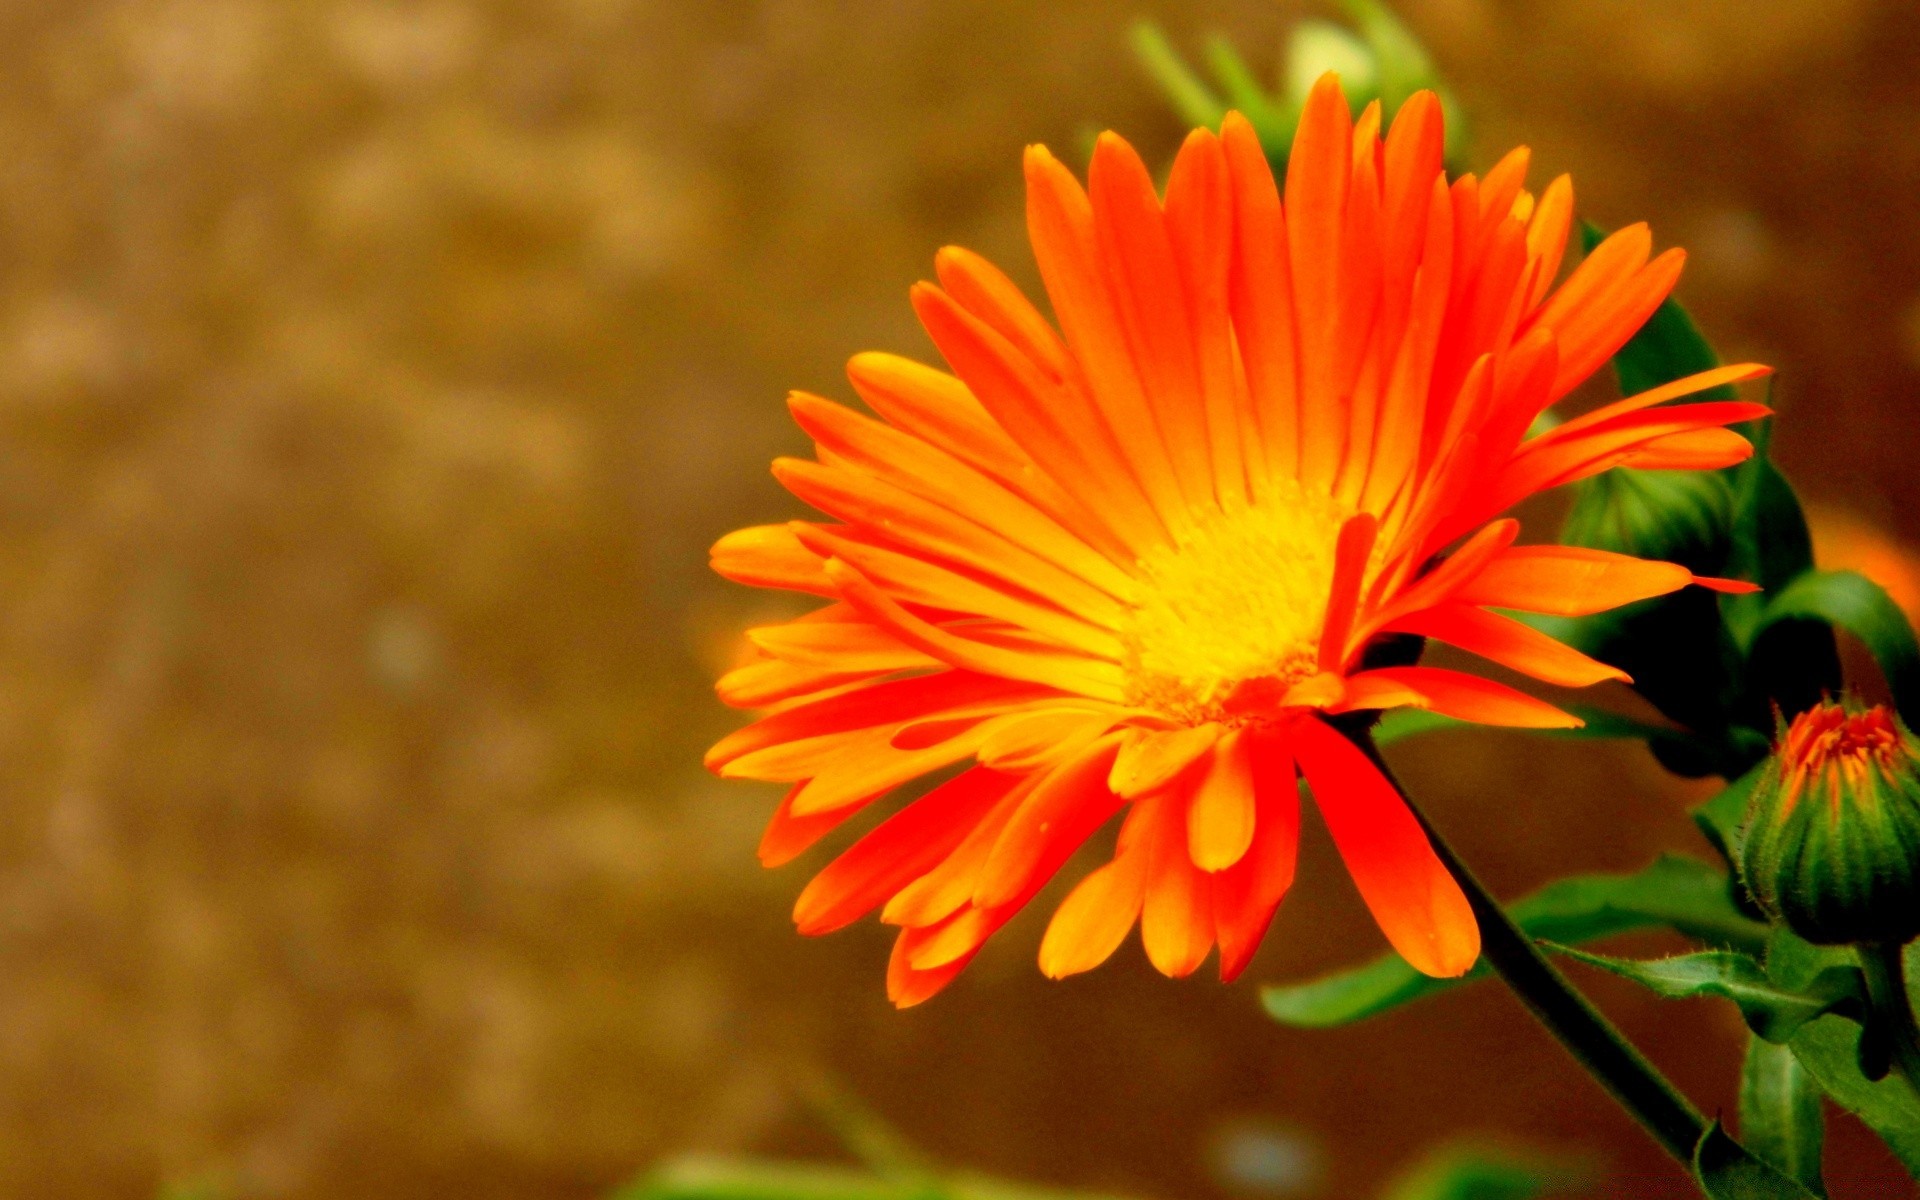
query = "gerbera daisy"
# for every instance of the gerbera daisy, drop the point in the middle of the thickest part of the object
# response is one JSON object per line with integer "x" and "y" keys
{"x": 1128, "y": 567}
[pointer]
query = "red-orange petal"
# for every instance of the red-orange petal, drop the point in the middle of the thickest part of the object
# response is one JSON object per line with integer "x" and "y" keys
{"x": 1453, "y": 694}
{"x": 901, "y": 849}
{"x": 1414, "y": 900}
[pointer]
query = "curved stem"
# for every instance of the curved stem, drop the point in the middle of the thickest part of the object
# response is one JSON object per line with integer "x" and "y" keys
{"x": 1886, "y": 971}
{"x": 1592, "y": 1039}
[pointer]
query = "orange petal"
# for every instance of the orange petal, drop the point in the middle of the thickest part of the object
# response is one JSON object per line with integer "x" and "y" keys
{"x": 1083, "y": 676}
{"x": 1509, "y": 643}
{"x": 1319, "y": 170}
{"x": 937, "y": 408}
{"x": 887, "y": 513}
{"x": 764, "y": 684}
{"x": 1415, "y": 901}
{"x": 1400, "y": 428}
{"x": 1693, "y": 450}
{"x": 872, "y": 769}
{"x": 1320, "y": 690}
{"x": 1593, "y": 334}
{"x": 1050, "y": 419}
{"x": 1034, "y": 741}
{"x": 957, "y": 939}
{"x": 1153, "y": 310}
{"x": 1176, "y": 918}
{"x": 1061, "y": 812}
{"x": 1060, "y": 224}
{"x": 986, "y": 292}
{"x": 1351, "y": 553}
{"x": 1688, "y": 385}
{"x": 1221, "y": 817}
{"x": 1569, "y": 581}
{"x": 918, "y": 467}
{"x": 1200, "y": 221}
{"x": 908, "y": 985}
{"x": 769, "y": 556}
{"x": 848, "y": 645}
{"x": 948, "y": 888}
{"x": 889, "y": 704}
{"x": 1151, "y": 759}
{"x": 1261, "y": 295}
{"x": 911, "y": 580}
{"x": 1095, "y": 917}
{"x": 1552, "y": 461}
{"x": 1246, "y": 894}
{"x": 901, "y": 849}
{"x": 1454, "y": 694}
{"x": 1547, "y": 231}
{"x": 787, "y": 836}
{"x": 1439, "y": 584}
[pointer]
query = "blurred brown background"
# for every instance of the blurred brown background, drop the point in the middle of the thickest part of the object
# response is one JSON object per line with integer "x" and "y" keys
{"x": 374, "y": 375}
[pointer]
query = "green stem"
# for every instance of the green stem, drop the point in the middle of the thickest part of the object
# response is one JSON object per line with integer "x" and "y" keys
{"x": 1592, "y": 1039}
{"x": 1886, "y": 970}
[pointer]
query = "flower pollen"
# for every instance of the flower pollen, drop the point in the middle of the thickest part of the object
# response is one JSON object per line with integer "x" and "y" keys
{"x": 1234, "y": 609}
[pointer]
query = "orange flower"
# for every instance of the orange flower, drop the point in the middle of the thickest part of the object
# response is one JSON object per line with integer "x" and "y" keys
{"x": 1128, "y": 566}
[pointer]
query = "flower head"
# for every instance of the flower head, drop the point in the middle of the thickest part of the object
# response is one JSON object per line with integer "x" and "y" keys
{"x": 1832, "y": 841}
{"x": 1127, "y": 566}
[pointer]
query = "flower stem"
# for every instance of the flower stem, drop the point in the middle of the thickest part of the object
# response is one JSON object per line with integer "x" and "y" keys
{"x": 1592, "y": 1039}
{"x": 1886, "y": 971}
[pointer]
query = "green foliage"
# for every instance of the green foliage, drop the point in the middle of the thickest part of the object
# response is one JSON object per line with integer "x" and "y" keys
{"x": 1471, "y": 1173}
{"x": 1682, "y": 649}
{"x": 1722, "y": 817}
{"x": 1187, "y": 92}
{"x": 1726, "y": 1170}
{"x": 1771, "y": 1011}
{"x": 1850, "y": 601}
{"x": 1377, "y": 59}
{"x": 1679, "y": 893}
{"x": 770, "y": 1179}
{"x": 1829, "y": 1049}
{"x": 891, "y": 1169}
{"x": 1781, "y": 1119}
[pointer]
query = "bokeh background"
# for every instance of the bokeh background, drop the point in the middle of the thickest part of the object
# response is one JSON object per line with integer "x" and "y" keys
{"x": 373, "y": 375}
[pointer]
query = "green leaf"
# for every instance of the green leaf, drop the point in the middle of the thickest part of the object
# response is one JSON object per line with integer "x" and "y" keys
{"x": 699, "y": 1178}
{"x": 1862, "y": 607}
{"x": 1400, "y": 60}
{"x": 1401, "y": 723}
{"x": 1244, "y": 92}
{"x": 1683, "y": 893}
{"x": 1727, "y": 1171}
{"x": 1771, "y": 543}
{"x": 1190, "y": 96}
{"x": 1781, "y": 1119}
{"x": 760, "y": 1179}
{"x": 1721, "y": 818}
{"x": 1771, "y": 1011}
{"x": 1470, "y": 1173}
{"x": 1829, "y": 1048}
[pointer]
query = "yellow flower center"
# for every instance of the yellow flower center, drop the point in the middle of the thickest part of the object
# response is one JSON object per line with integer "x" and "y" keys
{"x": 1230, "y": 617}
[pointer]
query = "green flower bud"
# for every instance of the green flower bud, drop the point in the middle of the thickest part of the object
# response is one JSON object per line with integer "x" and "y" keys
{"x": 1676, "y": 516}
{"x": 1831, "y": 846}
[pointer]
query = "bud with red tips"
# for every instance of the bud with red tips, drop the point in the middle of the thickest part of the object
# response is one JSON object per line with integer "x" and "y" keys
{"x": 1832, "y": 842}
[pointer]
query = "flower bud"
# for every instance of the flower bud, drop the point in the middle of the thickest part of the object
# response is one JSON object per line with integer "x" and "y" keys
{"x": 1831, "y": 846}
{"x": 1678, "y": 516}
